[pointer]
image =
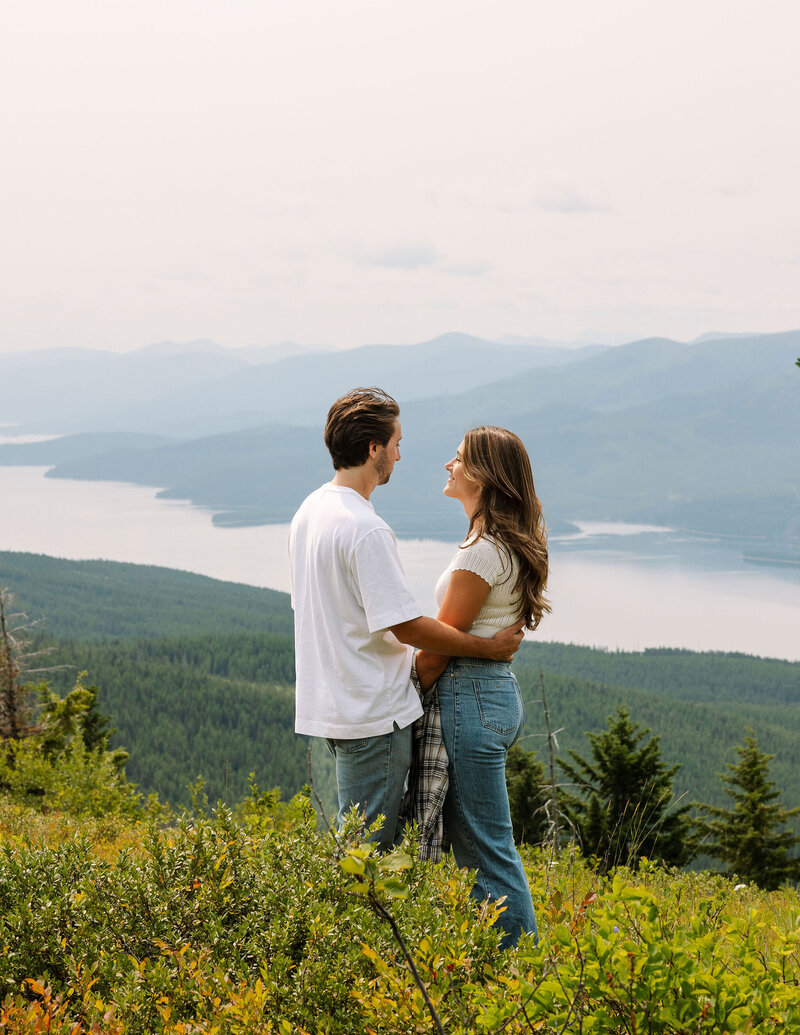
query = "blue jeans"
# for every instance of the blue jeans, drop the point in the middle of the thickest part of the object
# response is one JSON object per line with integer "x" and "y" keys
{"x": 371, "y": 773}
{"x": 482, "y": 715}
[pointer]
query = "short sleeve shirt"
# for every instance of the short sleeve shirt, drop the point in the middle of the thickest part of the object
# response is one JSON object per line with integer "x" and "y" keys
{"x": 487, "y": 559}
{"x": 348, "y": 589}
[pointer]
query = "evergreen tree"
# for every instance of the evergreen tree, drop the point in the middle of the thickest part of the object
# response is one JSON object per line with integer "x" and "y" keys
{"x": 527, "y": 796}
{"x": 624, "y": 808}
{"x": 749, "y": 837}
{"x": 60, "y": 721}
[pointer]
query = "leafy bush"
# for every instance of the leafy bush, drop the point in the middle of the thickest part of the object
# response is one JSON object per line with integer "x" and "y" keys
{"x": 76, "y": 781}
{"x": 259, "y": 923}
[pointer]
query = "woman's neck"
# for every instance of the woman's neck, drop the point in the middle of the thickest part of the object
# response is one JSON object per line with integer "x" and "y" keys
{"x": 476, "y": 525}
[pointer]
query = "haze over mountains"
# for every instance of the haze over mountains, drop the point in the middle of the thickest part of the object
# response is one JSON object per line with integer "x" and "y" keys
{"x": 204, "y": 389}
{"x": 701, "y": 436}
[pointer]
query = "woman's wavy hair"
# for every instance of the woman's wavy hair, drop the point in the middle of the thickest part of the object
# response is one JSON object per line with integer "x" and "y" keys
{"x": 509, "y": 511}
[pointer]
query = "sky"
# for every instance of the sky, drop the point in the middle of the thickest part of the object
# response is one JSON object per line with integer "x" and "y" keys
{"x": 369, "y": 171}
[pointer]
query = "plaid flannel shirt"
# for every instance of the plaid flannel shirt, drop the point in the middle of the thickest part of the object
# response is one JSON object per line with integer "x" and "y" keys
{"x": 428, "y": 779}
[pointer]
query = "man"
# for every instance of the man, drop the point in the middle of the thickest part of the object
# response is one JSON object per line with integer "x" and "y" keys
{"x": 355, "y": 618}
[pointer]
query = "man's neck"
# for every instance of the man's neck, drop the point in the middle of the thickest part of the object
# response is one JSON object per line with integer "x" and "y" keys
{"x": 362, "y": 479}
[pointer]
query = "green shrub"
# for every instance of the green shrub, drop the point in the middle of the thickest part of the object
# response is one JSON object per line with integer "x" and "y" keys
{"x": 77, "y": 781}
{"x": 260, "y": 924}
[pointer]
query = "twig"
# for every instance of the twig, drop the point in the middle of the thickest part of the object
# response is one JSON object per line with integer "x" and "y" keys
{"x": 578, "y": 993}
{"x": 550, "y": 740}
{"x": 384, "y": 913}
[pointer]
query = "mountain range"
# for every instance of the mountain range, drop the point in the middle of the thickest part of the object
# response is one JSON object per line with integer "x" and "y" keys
{"x": 701, "y": 436}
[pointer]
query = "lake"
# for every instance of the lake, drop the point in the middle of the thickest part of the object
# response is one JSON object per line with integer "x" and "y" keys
{"x": 615, "y": 586}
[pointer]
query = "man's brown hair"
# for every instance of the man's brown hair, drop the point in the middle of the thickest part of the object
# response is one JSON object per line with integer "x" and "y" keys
{"x": 363, "y": 416}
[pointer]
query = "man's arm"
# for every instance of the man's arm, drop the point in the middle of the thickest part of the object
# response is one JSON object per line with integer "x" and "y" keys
{"x": 430, "y": 634}
{"x": 466, "y": 594}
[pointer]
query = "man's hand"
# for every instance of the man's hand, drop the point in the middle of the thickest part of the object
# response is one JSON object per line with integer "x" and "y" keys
{"x": 505, "y": 644}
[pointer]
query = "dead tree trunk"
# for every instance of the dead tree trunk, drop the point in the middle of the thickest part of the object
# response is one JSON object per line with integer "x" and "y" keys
{"x": 10, "y": 690}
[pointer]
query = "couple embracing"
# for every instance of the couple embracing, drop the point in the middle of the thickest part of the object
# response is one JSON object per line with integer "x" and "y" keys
{"x": 359, "y": 683}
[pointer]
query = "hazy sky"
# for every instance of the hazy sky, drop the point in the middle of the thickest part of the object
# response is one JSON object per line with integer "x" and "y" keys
{"x": 367, "y": 171}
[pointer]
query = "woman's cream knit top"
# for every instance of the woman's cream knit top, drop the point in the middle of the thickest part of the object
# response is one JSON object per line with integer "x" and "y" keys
{"x": 486, "y": 559}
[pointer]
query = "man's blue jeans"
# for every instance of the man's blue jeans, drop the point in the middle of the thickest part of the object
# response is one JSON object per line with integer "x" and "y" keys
{"x": 482, "y": 715}
{"x": 371, "y": 773}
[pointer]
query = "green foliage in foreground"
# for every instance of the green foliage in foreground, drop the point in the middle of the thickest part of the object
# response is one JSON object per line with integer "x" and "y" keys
{"x": 258, "y": 923}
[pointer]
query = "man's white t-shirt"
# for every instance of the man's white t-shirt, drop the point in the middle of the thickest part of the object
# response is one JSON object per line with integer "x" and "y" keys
{"x": 348, "y": 588}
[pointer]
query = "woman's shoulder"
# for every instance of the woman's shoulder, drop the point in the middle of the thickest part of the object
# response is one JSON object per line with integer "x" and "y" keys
{"x": 484, "y": 556}
{"x": 480, "y": 545}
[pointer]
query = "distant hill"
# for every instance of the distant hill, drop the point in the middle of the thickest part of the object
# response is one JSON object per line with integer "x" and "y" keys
{"x": 62, "y": 390}
{"x": 716, "y": 335}
{"x": 256, "y": 476}
{"x": 702, "y": 437}
{"x": 189, "y": 393}
{"x": 76, "y": 447}
{"x": 95, "y": 600}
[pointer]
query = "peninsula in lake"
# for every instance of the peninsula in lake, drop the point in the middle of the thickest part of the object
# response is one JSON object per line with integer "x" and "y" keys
{"x": 700, "y": 436}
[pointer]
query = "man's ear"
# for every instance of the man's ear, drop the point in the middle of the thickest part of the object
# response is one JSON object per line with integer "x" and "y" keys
{"x": 373, "y": 449}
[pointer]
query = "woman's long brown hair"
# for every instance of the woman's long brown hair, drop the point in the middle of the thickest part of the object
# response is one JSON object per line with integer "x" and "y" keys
{"x": 509, "y": 511}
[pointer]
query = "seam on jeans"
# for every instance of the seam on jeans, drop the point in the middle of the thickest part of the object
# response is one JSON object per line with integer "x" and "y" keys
{"x": 479, "y": 880}
{"x": 387, "y": 765}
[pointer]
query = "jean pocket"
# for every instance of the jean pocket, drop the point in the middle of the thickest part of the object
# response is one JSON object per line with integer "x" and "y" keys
{"x": 352, "y": 747}
{"x": 499, "y": 704}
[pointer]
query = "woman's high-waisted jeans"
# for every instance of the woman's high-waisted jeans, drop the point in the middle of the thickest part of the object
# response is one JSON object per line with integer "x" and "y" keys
{"x": 481, "y": 711}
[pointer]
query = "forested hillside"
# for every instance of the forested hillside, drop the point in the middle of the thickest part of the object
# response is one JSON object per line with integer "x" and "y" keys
{"x": 217, "y": 706}
{"x": 197, "y": 675}
{"x": 698, "y": 735}
{"x": 91, "y": 600}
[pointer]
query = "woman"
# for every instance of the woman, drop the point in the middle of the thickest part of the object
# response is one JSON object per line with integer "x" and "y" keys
{"x": 497, "y": 576}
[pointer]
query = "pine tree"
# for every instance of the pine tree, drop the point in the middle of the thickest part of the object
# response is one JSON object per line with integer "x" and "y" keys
{"x": 624, "y": 807}
{"x": 749, "y": 837}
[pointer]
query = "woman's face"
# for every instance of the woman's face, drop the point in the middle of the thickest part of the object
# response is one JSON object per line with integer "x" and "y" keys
{"x": 459, "y": 486}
